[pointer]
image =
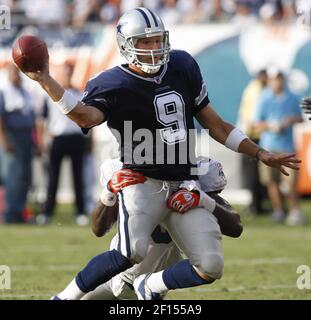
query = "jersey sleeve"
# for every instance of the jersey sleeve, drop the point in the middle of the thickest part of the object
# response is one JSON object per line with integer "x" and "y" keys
{"x": 199, "y": 89}
{"x": 98, "y": 97}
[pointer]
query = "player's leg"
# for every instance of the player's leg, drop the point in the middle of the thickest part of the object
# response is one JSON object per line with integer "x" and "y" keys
{"x": 141, "y": 207}
{"x": 102, "y": 292}
{"x": 18, "y": 179}
{"x": 271, "y": 177}
{"x": 198, "y": 236}
{"x": 162, "y": 252}
{"x": 295, "y": 216}
{"x": 76, "y": 153}
{"x": 57, "y": 153}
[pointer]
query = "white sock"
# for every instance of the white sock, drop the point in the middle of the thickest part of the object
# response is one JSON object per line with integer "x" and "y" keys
{"x": 207, "y": 202}
{"x": 71, "y": 292}
{"x": 102, "y": 292}
{"x": 155, "y": 282}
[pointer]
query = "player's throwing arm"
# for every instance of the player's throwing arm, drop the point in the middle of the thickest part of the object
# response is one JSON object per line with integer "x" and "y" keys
{"x": 31, "y": 56}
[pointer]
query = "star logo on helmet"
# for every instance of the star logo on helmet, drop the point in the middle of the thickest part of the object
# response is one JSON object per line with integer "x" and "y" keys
{"x": 119, "y": 27}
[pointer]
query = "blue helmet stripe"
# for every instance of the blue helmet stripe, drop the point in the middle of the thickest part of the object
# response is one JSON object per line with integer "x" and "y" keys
{"x": 145, "y": 17}
{"x": 154, "y": 18}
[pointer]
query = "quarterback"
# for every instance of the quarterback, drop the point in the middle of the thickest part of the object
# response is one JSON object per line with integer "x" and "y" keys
{"x": 157, "y": 93}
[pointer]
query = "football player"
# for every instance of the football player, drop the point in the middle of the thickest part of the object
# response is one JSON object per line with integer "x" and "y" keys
{"x": 150, "y": 101}
{"x": 162, "y": 251}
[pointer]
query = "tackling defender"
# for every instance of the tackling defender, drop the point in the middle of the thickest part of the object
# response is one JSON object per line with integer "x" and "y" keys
{"x": 162, "y": 252}
{"x": 160, "y": 91}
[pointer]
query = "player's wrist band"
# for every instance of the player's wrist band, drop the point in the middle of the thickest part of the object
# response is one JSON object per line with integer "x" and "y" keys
{"x": 234, "y": 139}
{"x": 108, "y": 198}
{"x": 67, "y": 102}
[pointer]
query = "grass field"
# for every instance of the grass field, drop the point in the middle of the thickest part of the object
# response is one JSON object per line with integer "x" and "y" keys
{"x": 261, "y": 264}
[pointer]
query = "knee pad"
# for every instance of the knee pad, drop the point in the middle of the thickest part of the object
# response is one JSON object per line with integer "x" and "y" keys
{"x": 139, "y": 250}
{"x": 212, "y": 264}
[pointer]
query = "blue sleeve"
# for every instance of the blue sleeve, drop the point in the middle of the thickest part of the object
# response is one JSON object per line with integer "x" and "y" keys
{"x": 97, "y": 96}
{"x": 199, "y": 89}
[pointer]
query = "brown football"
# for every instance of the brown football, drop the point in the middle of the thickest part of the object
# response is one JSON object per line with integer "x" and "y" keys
{"x": 30, "y": 53}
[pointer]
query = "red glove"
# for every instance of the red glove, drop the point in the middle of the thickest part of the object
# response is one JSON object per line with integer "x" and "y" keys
{"x": 124, "y": 178}
{"x": 183, "y": 200}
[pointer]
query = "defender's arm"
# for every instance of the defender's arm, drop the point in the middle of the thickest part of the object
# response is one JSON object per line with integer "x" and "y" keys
{"x": 103, "y": 217}
{"x": 228, "y": 219}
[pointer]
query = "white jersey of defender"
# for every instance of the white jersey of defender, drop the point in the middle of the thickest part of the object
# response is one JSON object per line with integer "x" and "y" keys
{"x": 159, "y": 255}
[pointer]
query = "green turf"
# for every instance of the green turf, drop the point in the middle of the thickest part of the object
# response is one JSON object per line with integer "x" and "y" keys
{"x": 261, "y": 264}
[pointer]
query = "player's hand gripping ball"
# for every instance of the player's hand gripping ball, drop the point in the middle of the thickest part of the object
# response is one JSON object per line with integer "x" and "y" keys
{"x": 30, "y": 53}
{"x": 124, "y": 178}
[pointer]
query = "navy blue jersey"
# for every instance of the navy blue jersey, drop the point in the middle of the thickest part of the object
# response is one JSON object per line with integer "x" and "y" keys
{"x": 151, "y": 117}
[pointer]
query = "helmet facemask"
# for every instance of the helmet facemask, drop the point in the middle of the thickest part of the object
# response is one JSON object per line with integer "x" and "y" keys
{"x": 133, "y": 54}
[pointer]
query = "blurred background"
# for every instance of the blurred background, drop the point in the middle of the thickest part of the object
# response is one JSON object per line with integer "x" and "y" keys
{"x": 231, "y": 40}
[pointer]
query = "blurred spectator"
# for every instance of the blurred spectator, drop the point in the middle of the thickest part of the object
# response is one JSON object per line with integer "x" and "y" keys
{"x": 289, "y": 9}
{"x": 85, "y": 11}
{"x": 89, "y": 173}
{"x": 196, "y": 11}
{"x": 130, "y": 4}
{"x": 244, "y": 14}
{"x": 278, "y": 110}
{"x": 110, "y": 11}
{"x": 170, "y": 12}
{"x": 17, "y": 124}
{"x": 46, "y": 12}
{"x": 77, "y": 13}
{"x": 66, "y": 140}
{"x": 250, "y": 174}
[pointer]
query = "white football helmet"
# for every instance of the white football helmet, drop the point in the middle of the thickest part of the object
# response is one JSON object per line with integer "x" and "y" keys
{"x": 141, "y": 23}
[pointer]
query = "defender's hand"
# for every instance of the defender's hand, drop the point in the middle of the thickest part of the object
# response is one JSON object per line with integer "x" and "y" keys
{"x": 183, "y": 200}
{"x": 124, "y": 178}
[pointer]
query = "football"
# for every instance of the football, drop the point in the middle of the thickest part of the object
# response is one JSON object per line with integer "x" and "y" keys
{"x": 30, "y": 53}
